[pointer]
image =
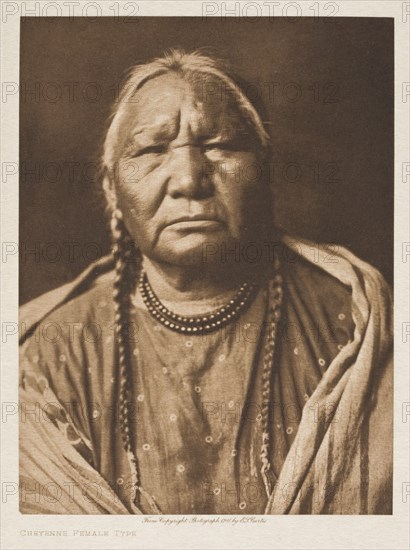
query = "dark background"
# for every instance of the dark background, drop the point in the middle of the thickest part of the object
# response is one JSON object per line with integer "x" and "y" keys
{"x": 328, "y": 88}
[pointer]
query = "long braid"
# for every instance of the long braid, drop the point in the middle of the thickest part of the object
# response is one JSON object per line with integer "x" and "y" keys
{"x": 274, "y": 304}
{"x": 127, "y": 262}
{"x": 123, "y": 250}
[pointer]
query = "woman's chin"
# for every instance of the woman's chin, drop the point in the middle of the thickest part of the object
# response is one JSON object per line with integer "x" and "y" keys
{"x": 193, "y": 251}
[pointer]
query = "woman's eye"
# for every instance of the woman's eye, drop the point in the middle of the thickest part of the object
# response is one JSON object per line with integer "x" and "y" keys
{"x": 226, "y": 147}
{"x": 152, "y": 149}
{"x": 218, "y": 147}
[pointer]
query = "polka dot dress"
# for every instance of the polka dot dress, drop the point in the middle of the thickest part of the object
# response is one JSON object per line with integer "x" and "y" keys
{"x": 195, "y": 411}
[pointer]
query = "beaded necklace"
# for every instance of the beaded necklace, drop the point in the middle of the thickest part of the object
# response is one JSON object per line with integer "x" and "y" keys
{"x": 199, "y": 323}
{"x": 275, "y": 294}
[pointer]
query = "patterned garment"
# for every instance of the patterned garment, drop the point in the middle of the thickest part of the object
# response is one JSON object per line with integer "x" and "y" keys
{"x": 197, "y": 400}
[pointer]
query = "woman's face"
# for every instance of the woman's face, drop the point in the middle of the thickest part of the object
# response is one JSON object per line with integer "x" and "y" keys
{"x": 188, "y": 177}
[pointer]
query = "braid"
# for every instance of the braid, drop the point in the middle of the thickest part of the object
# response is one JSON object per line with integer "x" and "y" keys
{"x": 274, "y": 301}
{"x": 125, "y": 254}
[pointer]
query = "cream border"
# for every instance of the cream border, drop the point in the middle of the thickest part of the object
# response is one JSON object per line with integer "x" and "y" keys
{"x": 278, "y": 532}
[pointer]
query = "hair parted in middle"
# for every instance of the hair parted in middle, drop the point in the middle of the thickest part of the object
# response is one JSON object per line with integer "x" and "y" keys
{"x": 189, "y": 66}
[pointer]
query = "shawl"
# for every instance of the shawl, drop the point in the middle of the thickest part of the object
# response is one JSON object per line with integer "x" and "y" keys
{"x": 335, "y": 465}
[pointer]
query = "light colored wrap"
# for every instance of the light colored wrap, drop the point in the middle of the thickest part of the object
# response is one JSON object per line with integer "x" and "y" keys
{"x": 54, "y": 477}
{"x": 341, "y": 459}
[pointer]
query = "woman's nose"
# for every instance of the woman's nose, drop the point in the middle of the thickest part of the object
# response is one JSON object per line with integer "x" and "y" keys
{"x": 189, "y": 175}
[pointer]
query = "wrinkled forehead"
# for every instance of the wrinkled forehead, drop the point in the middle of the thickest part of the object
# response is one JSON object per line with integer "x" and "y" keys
{"x": 212, "y": 107}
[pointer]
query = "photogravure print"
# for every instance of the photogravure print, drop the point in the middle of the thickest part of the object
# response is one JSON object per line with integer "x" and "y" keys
{"x": 205, "y": 264}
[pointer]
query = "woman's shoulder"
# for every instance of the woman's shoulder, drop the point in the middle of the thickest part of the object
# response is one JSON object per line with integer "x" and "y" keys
{"x": 330, "y": 278}
{"x": 76, "y": 299}
{"x": 328, "y": 266}
{"x": 66, "y": 325}
{"x": 84, "y": 308}
{"x": 65, "y": 330}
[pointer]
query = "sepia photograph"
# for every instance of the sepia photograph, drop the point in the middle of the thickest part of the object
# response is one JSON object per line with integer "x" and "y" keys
{"x": 206, "y": 242}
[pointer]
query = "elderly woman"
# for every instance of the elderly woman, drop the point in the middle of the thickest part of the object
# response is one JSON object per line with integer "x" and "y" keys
{"x": 208, "y": 366}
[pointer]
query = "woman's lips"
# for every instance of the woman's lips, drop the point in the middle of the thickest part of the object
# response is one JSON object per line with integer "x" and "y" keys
{"x": 196, "y": 224}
